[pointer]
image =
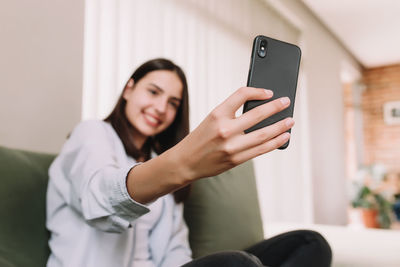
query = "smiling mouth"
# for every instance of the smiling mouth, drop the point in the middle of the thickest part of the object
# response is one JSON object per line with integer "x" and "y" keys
{"x": 151, "y": 120}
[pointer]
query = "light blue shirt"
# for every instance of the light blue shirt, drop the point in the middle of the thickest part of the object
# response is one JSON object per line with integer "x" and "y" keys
{"x": 92, "y": 219}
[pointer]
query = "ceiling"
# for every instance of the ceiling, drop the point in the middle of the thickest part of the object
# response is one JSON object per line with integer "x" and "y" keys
{"x": 370, "y": 29}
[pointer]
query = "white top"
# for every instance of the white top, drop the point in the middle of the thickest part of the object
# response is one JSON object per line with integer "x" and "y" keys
{"x": 92, "y": 219}
{"x": 142, "y": 256}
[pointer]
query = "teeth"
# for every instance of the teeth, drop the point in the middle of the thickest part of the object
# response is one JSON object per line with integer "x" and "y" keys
{"x": 151, "y": 119}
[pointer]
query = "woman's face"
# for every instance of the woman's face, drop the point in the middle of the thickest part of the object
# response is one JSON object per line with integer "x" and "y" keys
{"x": 152, "y": 103}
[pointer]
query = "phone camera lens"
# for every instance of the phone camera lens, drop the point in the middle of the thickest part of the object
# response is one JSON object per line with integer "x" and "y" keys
{"x": 262, "y": 51}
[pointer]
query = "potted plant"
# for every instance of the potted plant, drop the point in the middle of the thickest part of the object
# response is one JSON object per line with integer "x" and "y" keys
{"x": 376, "y": 209}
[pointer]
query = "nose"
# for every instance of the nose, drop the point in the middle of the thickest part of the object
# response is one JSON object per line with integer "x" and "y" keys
{"x": 161, "y": 105}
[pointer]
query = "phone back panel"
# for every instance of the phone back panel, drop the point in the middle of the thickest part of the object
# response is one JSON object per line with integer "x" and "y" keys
{"x": 277, "y": 71}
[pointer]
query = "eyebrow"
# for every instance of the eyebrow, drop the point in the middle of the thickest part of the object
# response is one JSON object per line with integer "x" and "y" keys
{"x": 159, "y": 88}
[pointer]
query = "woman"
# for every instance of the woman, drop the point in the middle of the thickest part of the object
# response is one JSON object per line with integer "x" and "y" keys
{"x": 110, "y": 200}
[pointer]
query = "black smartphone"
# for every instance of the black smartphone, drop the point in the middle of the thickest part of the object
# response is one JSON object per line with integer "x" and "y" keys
{"x": 274, "y": 65}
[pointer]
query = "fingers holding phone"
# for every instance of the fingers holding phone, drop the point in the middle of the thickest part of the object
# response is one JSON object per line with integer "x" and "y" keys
{"x": 265, "y": 134}
{"x": 262, "y": 112}
{"x": 262, "y": 140}
{"x": 241, "y": 96}
{"x": 219, "y": 142}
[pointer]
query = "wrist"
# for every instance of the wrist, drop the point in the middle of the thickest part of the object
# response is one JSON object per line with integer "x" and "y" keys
{"x": 181, "y": 166}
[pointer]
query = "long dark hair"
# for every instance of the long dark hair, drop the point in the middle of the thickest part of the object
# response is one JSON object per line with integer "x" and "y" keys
{"x": 164, "y": 140}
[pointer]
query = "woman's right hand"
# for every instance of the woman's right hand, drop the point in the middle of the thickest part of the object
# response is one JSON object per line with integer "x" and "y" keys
{"x": 219, "y": 142}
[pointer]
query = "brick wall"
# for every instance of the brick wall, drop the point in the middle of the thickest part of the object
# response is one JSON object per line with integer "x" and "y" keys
{"x": 381, "y": 141}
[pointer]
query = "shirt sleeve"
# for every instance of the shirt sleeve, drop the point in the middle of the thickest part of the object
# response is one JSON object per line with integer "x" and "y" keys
{"x": 90, "y": 174}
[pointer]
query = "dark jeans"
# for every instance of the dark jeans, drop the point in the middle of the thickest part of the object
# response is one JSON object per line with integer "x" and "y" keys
{"x": 296, "y": 248}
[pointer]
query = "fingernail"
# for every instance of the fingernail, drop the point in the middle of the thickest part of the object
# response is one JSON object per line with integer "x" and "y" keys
{"x": 289, "y": 122}
{"x": 268, "y": 92}
{"x": 285, "y": 101}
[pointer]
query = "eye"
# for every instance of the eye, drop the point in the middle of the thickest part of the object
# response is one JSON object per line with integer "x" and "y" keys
{"x": 152, "y": 91}
{"x": 174, "y": 104}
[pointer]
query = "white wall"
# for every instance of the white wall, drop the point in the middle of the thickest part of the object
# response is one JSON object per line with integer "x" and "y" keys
{"x": 41, "y": 56}
{"x": 323, "y": 58}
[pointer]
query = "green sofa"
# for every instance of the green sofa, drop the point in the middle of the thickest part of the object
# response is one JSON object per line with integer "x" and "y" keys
{"x": 222, "y": 212}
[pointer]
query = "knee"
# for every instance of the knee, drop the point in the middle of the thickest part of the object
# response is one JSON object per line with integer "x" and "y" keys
{"x": 241, "y": 258}
{"x": 231, "y": 258}
{"x": 316, "y": 237}
{"x": 319, "y": 242}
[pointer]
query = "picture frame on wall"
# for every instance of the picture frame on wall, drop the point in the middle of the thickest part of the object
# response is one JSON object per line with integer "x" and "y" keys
{"x": 391, "y": 112}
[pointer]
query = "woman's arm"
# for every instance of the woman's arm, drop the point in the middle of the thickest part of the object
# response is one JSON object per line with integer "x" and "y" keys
{"x": 89, "y": 175}
{"x": 216, "y": 145}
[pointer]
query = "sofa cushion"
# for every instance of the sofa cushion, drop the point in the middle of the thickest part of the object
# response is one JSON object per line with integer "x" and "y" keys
{"x": 223, "y": 213}
{"x": 23, "y": 236}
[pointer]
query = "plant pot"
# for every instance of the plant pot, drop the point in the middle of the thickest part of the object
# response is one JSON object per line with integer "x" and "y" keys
{"x": 370, "y": 218}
